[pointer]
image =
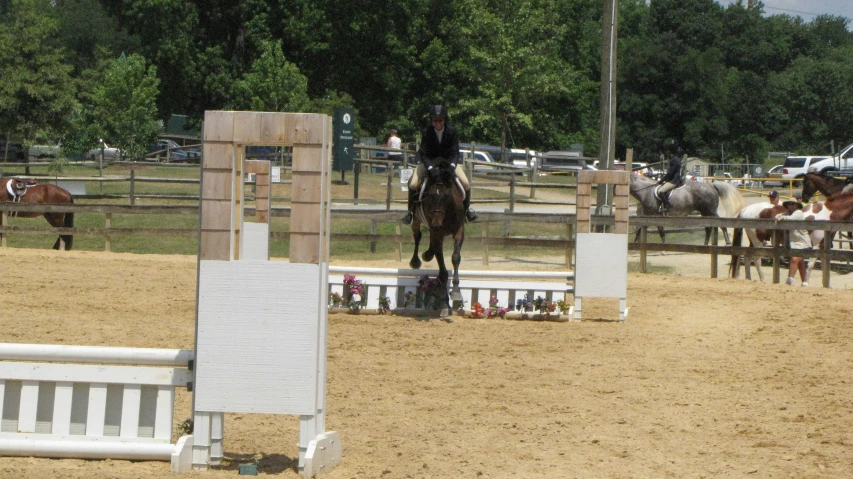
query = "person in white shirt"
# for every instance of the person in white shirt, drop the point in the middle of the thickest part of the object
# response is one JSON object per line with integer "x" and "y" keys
{"x": 800, "y": 239}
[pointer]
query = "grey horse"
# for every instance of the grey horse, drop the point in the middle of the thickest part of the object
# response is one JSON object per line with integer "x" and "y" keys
{"x": 706, "y": 198}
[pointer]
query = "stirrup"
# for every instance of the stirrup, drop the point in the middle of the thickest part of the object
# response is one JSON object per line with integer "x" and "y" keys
{"x": 408, "y": 218}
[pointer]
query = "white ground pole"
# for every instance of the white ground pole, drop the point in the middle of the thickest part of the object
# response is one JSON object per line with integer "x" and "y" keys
{"x": 601, "y": 265}
{"x": 261, "y": 326}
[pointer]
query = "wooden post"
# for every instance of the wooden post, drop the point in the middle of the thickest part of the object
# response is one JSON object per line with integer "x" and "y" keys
{"x": 715, "y": 240}
{"x": 512, "y": 194}
{"x": 644, "y": 236}
{"x": 570, "y": 252}
{"x": 388, "y": 190}
{"x": 108, "y": 223}
{"x": 532, "y": 174}
{"x": 399, "y": 246}
{"x": 484, "y": 233}
{"x": 373, "y": 232}
{"x": 355, "y": 185}
{"x": 132, "y": 187}
{"x": 824, "y": 259}
{"x": 4, "y": 221}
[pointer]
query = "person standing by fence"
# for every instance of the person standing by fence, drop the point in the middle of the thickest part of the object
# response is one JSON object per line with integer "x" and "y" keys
{"x": 396, "y": 143}
{"x": 799, "y": 239}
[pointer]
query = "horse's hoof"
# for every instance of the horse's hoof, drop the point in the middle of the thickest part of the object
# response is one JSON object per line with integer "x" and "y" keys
{"x": 415, "y": 263}
{"x": 445, "y": 315}
{"x": 456, "y": 295}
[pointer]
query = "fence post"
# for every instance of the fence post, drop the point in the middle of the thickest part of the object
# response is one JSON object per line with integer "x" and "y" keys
{"x": 108, "y": 223}
{"x": 132, "y": 187}
{"x": 355, "y": 183}
{"x": 390, "y": 168}
{"x": 715, "y": 239}
{"x": 4, "y": 221}
{"x": 824, "y": 260}
{"x": 399, "y": 230}
{"x": 644, "y": 231}
{"x": 484, "y": 232}
{"x": 373, "y": 232}
{"x": 777, "y": 258}
{"x": 531, "y": 174}
{"x": 570, "y": 252}
{"x": 512, "y": 194}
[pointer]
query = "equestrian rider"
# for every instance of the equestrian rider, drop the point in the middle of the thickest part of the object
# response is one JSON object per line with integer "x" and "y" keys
{"x": 438, "y": 141}
{"x": 671, "y": 180}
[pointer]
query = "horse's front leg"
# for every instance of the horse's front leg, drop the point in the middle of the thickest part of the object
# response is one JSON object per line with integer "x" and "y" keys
{"x": 458, "y": 239}
{"x": 415, "y": 262}
{"x": 442, "y": 276}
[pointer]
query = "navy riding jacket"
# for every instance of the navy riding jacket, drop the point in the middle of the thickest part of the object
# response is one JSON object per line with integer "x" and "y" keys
{"x": 431, "y": 148}
{"x": 673, "y": 174}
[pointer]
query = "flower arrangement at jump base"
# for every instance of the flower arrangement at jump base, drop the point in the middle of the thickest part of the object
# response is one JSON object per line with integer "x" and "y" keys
{"x": 353, "y": 297}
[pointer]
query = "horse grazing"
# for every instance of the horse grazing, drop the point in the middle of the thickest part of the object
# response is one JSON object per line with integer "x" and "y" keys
{"x": 442, "y": 211}
{"x": 706, "y": 198}
{"x": 17, "y": 190}
{"x": 828, "y": 185}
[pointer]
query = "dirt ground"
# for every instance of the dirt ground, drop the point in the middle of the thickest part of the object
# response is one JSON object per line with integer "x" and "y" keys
{"x": 707, "y": 378}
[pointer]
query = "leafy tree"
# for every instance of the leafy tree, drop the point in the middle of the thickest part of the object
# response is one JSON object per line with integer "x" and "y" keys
{"x": 124, "y": 106}
{"x": 36, "y": 91}
{"x": 273, "y": 84}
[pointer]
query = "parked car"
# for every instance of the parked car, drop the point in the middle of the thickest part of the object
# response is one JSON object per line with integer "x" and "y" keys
{"x": 564, "y": 161}
{"x": 519, "y": 157}
{"x": 170, "y": 151}
{"x": 843, "y": 162}
{"x": 775, "y": 172}
{"x": 44, "y": 151}
{"x": 482, "y": 156}
{"x": 798, "y": 166}
{"x": 110, "y": 153}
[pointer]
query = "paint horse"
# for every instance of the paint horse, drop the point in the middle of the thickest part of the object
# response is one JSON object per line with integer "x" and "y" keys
{"x": 17, "y": 190}
{"x": 441, "y": 209}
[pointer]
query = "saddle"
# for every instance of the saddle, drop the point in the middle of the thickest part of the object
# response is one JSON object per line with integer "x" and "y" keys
{"x": 669, "y": 194}
{"x": 17, "y": 187}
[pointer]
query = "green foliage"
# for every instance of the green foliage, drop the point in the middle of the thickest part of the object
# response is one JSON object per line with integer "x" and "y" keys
{"x": 36, "y": 91}
{"x": 273, "y": 84}
{"x": 124, "y": 109}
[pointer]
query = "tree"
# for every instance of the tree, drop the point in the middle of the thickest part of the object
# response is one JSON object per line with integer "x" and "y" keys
{"x": 273, "y": 84}
{"x": 36, "y": 91}
{"x": 124, "y": 106}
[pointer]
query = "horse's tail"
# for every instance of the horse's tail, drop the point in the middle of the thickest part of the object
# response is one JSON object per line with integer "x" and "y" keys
{"x": 730, "y": 198}
{"x": 737, "y": 239}
{"x": 68, "y": 222}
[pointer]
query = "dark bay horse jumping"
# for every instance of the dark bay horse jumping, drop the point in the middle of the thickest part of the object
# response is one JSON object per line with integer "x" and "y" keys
{"x": 17, "y": 190}
{"x": 706, "y": 198}
{"x": 442, "y": 211}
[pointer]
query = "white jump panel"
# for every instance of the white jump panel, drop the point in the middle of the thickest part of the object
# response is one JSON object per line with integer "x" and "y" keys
{"x": 256, "y": 242}
{"x": 602, "y": 268}
{"x": 258, "y": 337}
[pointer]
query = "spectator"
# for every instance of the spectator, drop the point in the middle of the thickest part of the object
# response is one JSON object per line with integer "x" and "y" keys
{"x": 800, "y": 239}
{"x": 395, "y": 142}
{"x": 774, "y": 197}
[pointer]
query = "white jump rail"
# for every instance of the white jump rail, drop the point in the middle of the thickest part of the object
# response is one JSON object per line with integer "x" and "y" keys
{"x": 113, "y": 403}
{"x": 476, "y": 286}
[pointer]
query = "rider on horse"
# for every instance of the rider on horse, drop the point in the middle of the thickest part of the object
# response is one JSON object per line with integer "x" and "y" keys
{"x": 671, "y": 180}
{"x": 438, "y": 141}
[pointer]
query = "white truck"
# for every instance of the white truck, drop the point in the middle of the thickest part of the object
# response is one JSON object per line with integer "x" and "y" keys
{"x": 842, "y": 162}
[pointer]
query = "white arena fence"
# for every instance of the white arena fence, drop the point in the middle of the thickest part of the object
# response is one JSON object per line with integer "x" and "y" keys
{"x": 92, "y": 402}
{"x": 476, "y": 286}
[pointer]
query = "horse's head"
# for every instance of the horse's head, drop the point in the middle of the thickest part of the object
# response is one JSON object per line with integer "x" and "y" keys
{"x": 442, "y": 198}
{"x": 810, "y": 185}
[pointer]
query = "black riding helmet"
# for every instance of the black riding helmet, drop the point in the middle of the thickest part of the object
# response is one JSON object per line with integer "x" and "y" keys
{"x": 438, "y": 111}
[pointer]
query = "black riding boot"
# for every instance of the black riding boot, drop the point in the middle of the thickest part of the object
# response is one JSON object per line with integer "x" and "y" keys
{"x": 470, "y": 214}
{"x": 413, "y": 198}
{"x": 665, "y": 207}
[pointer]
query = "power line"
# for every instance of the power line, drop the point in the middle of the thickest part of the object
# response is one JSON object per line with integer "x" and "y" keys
{"x": 795, "y": 11}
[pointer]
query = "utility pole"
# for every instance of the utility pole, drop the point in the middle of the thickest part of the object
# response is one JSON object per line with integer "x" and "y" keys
{"x": 607, "y": 144}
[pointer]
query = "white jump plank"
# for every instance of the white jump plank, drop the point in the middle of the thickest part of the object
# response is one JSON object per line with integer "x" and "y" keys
{"x": 97, "y": 410}
{"x": 28, "y": 407}
{"x": 163, "y": 416}
{"x": 95, "y": 374}
{"x": 131, "y": 400}
{"x": 62, "y": 408}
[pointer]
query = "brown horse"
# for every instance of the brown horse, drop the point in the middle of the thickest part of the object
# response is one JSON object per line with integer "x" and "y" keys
{"x": 828, "y": 185}
{"x": 16, "y": 190}
{"x": 441, "y": 210}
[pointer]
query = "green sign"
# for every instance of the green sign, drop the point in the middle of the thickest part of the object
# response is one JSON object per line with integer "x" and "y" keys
{"x": 343, "y": 153}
